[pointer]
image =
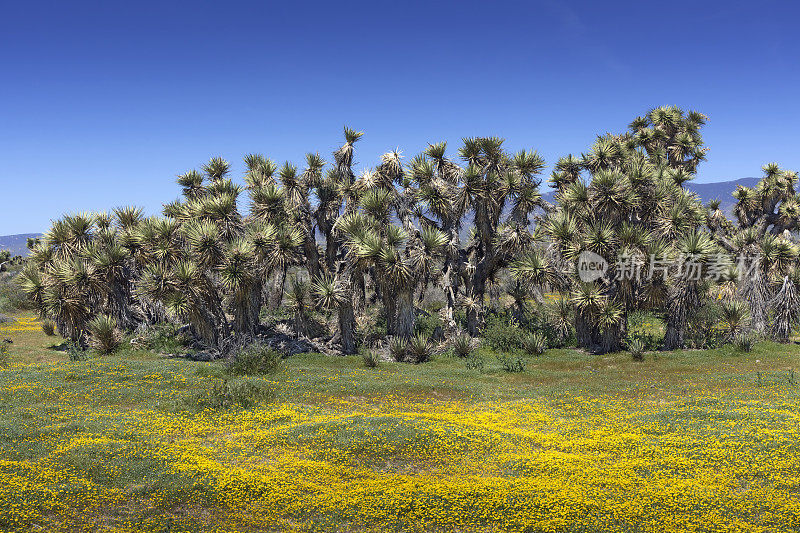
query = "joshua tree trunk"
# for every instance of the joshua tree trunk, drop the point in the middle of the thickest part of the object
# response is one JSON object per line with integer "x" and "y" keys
{"x": 478, "y": 291}
{"x": 204, "y": 324}
{"x": 612, "y": 338}
{"x": 347, "y": 326}
{"x": 119, "y": 307}
{"x": 583, "y": 330}
{"x": 347, "y": 318}
{"x": 683, "y": 298}
{"x": 309, "y": 242}
{"x": 405, "y": 314}
{"x": 494, "y": 295}
{"x": 390, "y": 308}
{"x": 281, "y": 287}
{"x": 331, "y": 247}
{"x": 785, "y": 306}
{"x": 247, "y": 310}
{"x": 359, "y": 292}
{"x": 450, "y": 295}
{"x": 754, "y": 291}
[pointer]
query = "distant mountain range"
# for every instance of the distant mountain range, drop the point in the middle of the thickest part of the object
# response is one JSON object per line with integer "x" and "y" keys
{"x": 721, "y": 190}
{"x": 17, "y": 243}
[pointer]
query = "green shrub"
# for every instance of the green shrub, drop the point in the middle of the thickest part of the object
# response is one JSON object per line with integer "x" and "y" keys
{"x": 735, "y": 317}
{"x": 462, "y": 345}
{"x": 371, "y": 358}
{"x": 103, "y": 334}
{"x": 702, "y": 327}
{"x": 370, "y": 327}
{"x": 419, "y": 348}
{"x": 503, "y": 334}
{"x": 427, "y": 324}
{"x": 76, "y": 352}
{"x": 235, "y": 393}
{"x": 474, "y": 362}
{"x": 534, "y": 343}
{"x": 162, "y": 338}
{"x": 745, "y": 342}
{"x": 397, "y": 349}
{"x": 646, "y": 327}
{"x": 511, "y": 363}
{"x": 255, "y": 359}
{"x": 12, "y": 298}
{"x": 49, "y": 327}
{"x": 558, "y": 315}
{"x": 636, "y": 347}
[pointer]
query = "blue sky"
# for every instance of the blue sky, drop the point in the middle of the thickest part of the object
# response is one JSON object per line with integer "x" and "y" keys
{"x": 103, "y": 104}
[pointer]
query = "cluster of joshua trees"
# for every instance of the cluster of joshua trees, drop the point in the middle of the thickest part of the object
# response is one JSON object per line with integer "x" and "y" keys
{"x": 439, "y": 227}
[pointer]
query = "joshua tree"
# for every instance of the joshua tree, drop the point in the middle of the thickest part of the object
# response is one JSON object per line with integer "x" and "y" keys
{"x": 761, "y": 246}
{"x": 492, "y": 183}
{"x": 632, "y": 208}
{"x": 697, "y": 249}
{"x": 401, "y": 261}
{"x": 341, "y": 282}
{"x": 786, "y": 305}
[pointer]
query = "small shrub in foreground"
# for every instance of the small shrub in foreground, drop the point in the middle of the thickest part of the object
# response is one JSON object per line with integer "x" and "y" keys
{"x": 637, "y": 347}
{"x": 503, "y": 334}
{"x": 103, "y": 334}
{"x": 370, "y": 358}
{"x": 474, "y": 362}
{"x": 254, "y": 360}
{"x": 76, "y": 352}
{"x": 534, "y": 343}
{"x": 4, "y": 355}
{"x": 397, "y": 349}
{"x": 745, "y": 342}
{"x": 228, "y": 394}
{"x": 419, "y": 348}
{"x": 162, "y": 338}
{"x": 462, "y": 345}
{"x": 511, "y": 363}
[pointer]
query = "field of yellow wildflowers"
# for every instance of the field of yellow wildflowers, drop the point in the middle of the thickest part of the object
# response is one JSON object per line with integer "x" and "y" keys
{"x": 689, "y": 441}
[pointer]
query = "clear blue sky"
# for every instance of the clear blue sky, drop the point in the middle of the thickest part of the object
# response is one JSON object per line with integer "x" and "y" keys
{"x": 103, "y": 103}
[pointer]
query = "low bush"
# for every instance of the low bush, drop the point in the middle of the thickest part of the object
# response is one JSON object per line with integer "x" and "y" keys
{"x": 534, "y": 343}
{"x": 161, "y": 338}
{"x": 503, "y": 333}
{"x": 462, "y": 345}
{"x": 646, "y": 327}
{"x": 745, "y": 342}
{"x": 370, "y": 328}
{"x": 426, "y": 324}
{"x": 703, "y": 327}
{"x": 370, "y": 358}
{"x": 255, "y": 359}
{"x": 419, "y": 349}
{"x": 397, "y": 349}
{"x": 511, "y": 363}
{"x": 475, "y": 362}
{"x": 12, "y": 298}
{"x": 104, "y": 336}
{"x": 637, "y": 348}
{"x": 4, "y": 354}
{"x": 234, "y": 393}
{"x": 76, "y": 352}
